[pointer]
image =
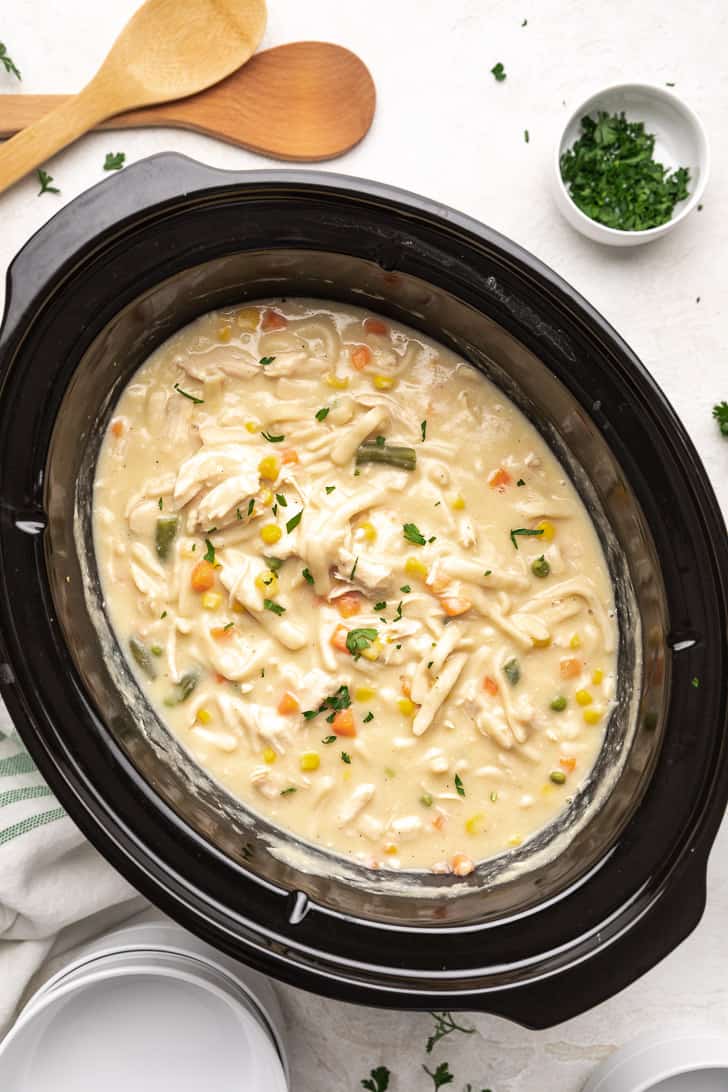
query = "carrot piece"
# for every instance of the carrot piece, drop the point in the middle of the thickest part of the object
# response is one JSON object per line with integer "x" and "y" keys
{"x": 405, "y": 686}
{"x": 338, "y": 638}
{"x": 117, "y": 427}
{"x": 568, "y": 764}
{"x": 289, "y": 456}
{"x": 348, "y": 604}
{"x": 203, "y": 576}
{"x": 490, "y": 685}
{"x": 221, "y": 633}
{"x": 360, "y": 357}
{"x": 273, "y": 320}
{"x": 499, "y": 477}
{"x": 220, "y": 678}
{"x": 439, "y": 822}
{"x": 288, "y": 704}
{"x": 462, "y": 865}
{"x": 439, "y": 585}
{"x": 375, "y": 326}
{"x": 343, "y": 723}
{"x": 570, "y": 667}
{"x": 453, "y": 605}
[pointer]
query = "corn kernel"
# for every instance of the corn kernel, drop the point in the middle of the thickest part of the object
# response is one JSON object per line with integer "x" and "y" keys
{"x": 224, "y": 333}
{"x": 575, "y": 641}
{"x": 270, "y": 534}
{"x": 238, "y": 608}
{"x": 597, "y": 676}
{"x": 414, "y": 567}
{"x": 541, "y": 642}
{"x": 475, "y": 823}
{"x": 374, "y": 651}
{"x": 514, "y": 840}
{"x": 204, "y": 716}
{"x": 269, "y": 467}
{"x": 211, "y": 600}
{"x": 368, "y": 531}
{"x": 406, "y": 707}
{"x": 269, "y": 756}
{"x": 548, "y": 530}
{"x": 384, "y": 382}
{"x": 583, "y": 697}
{"x": 457, "y": 503}
{"x": 266, "y": 498}
{"x": 247, "y": 319}
{"x": 390, "y": 848}
{"x": 310, "y": 760}
{"x": 364, "y": 693}
{"x": 267, "y": 584}
{"x": 252, "y": 426}
{"x": 592, "y": 716}
{"x": 338, "y": 382}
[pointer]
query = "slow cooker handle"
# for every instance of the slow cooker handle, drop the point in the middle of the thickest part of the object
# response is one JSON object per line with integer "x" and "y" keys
{"x": 62, "y": 243}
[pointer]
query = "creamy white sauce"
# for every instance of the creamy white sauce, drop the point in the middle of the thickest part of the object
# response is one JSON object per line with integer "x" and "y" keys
{"x": 435, "y": 663}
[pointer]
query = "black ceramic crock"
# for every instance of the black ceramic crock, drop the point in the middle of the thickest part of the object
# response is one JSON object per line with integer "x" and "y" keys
{"x": 89, "y": 297}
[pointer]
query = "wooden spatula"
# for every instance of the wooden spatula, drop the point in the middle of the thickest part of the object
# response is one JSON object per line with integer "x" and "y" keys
{"x": 169, "y": 49}
{"x": 304, "y": 101}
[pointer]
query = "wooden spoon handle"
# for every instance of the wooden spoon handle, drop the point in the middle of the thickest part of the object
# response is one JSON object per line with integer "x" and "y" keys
{"x": 30, "y": 148}
{"x": 21, "y": 111}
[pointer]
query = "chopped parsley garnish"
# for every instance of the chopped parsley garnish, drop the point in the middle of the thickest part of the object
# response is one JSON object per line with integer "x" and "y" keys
{"x": 285, "y": 792}
{"x": 444, "y": 1023}
{"x": 526, "y": 136}
{"x": 512, "y": 671}
{"x": 520, "y": 482}
{"x": 273, "y": 563}
{"x": 380, "y": 441}
{"x": 322, "y": 414}
{"x": 329, "y": 739}
{"x": 238, "y": 514}
{"x": 114, "y": 161}
{"x": 330, "y": 488}
{"x": 429, "y": 665}
{"x": 45, "y": 180}
{"x": 281, "y": 500}
{"x": 423, "y": 430}
{"x": 612, "y": 177}
{"x": 695, "y": 681}
{"x": 669, "y": 84}
{"x": 186, "y": 394}
{"x": 398, "y": 615}
{"x": 720, "y": 412}
{"x": 210, "y": 552}
{"x": 406, "y": 589}
{"x": 524, "y": 23}
{"x": 525, "y": 531}
{"x": 307, "y": 576}
{"x": 459, "y": 785}
{"x": 368, "y": 717}
{"x": 353, "y": 568}
{"x": 251, "y": 506}
{"x": 8, "y": 64}
{"x": 340, "y": 700}
{"x": 163, "y": 614}
{"x": 413, "y": 534}
{"x": 381, "y": 605}
{"x": 378, "y": 1080}
{"x": 440, "y": 1076}
{"x": 499, "y": 72}
{"x": 275, "y": 608}
{"x": 160, "y": 504}
{"x": 346, "y": 758}
{"x": 294, "y": 521}
{"x": 264, "y": 360}
{"x": 228, "y": 626}
{"x": 487, "y": 572}
{"x": 271, "y": 438}
{"x": 359, "y": 640}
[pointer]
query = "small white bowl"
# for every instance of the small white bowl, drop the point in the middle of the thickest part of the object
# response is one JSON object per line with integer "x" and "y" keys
{"x": 680, "y": 142}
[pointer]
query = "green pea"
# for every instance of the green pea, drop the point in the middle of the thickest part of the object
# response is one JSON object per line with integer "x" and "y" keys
{"x": 540, "y": 567}
{"x": 559, "y": 704}
{"x": 558, "y": 777}
{"x": 426, "y": 799}
{"x": 512, "y": 671}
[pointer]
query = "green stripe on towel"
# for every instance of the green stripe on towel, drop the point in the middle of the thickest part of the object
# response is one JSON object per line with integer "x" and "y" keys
{"x": 17, "y": 764}
{"x": 30, "y": 792}
{"x": 31, "y": 823}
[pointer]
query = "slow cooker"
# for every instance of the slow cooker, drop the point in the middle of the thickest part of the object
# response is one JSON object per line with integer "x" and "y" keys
{"x": 538, "y": 934}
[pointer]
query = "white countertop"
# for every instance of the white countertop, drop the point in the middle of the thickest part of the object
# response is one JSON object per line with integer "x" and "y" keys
{"x": 445, "y": 128}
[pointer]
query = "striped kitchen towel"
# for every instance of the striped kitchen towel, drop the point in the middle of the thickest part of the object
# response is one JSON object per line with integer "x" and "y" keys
{"x": 55, "y": 889}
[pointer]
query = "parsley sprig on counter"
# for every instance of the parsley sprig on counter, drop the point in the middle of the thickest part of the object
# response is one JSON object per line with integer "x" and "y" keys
{"x": 612, "y": 177}
{"x": 720, "y": 412}
{"x": 7, "y": 62}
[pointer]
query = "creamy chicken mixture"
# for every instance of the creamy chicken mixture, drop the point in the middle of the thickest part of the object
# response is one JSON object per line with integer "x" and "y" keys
{"x": 355, "y": 583}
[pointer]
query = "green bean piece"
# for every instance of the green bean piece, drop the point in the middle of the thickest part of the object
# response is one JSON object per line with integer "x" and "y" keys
{"x": 426, "y": 800}
{"x": 540, "y": 567}
{"x": 164, "y": 536}
{"x": 512, "y": 671}
{"x": 404, "y": 458}
{"x": 559, "y": 704}
{"x": 143, "y": 657}
{"x": 183, "y": 688}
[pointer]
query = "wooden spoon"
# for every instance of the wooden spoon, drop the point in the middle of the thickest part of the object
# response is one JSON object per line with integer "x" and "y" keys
{"x": 169, "y": 49}
{"x": 303, "y": 101}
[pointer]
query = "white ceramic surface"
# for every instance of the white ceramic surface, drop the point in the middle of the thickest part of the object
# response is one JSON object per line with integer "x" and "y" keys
{"x": 680, "y": 141}
{"x": 445, "y": 128}
{"x": 667, "y": 1061}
